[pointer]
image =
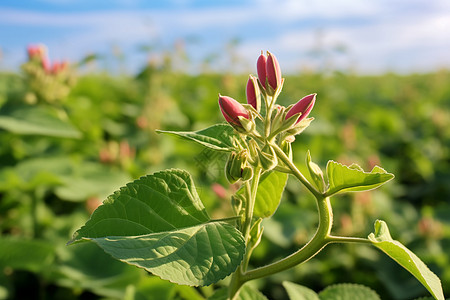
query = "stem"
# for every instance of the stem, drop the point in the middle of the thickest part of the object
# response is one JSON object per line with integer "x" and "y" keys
{"x": 314, "y": 246}
{"x": 346, "y": 239}
{"x": 296, "y": 172}
{"x": 250, "y": 191}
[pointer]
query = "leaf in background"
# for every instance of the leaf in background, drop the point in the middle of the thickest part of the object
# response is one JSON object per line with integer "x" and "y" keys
{"x": 246, "y": 293}
{"x": 351, "y": 179}
{"x": 299, "y": 292}
{"x": 268, "y": 196}
{"x": 217, "y": 137}
{"x": 348, "y": 291}
{"x": 37, "y": 121}
{"x": 21, "y": 254}
{"x": 87, "y": 267}
{"x": 159, "y": 223}
{"x": 397, "y": 251}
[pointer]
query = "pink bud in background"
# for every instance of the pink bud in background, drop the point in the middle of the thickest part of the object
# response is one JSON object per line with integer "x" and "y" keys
{"x": 252, "y": 93}
{"x": 273, "y": 71}
{"x": 231, "y": 110}
{"x": 56, "y": 67}
{"x": 303, "y": 106}
{"x": 261, "y": 69}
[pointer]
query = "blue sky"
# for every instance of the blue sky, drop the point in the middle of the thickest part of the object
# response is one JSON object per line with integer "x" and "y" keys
{"x": 365, "y": 36}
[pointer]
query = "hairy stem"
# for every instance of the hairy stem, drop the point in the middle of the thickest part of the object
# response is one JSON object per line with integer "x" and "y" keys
{"x": 314, "y": 246}
{"x": 250, "y": 192}
{"x": 295, "y": 171}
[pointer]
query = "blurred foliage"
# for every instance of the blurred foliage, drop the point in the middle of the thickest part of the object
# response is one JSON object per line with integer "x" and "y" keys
{"x": 60, "y": 160}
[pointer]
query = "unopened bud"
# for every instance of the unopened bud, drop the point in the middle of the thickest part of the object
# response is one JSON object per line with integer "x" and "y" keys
{"x": 232, "y": 110}
{"x": 253, "y": 94}
{"x": 267, "y": 158}
{"x": 303, "y": 107}
{"x": 273, "y": 71}
{"x": 261, "y": 69}
{"x": 237, "y": 167}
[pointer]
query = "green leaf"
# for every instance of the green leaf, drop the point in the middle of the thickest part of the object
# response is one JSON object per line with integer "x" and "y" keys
{"x": 30, "y": 255}
{"x": 352, "y": 178}
{"x": 217, "y": 137}
{"x": 407, "y": 259}
{"x": 164, "y": 201}
{"x": 268, "y": 196}
{"x": 87, "y": 267}
{"x": 37, "y": 121}
{"x": 316, "y": 173}
{"x": 298, "y": 292}
{"x": 348, "y": 291}
{"x": 196, "y": 255}
{"x": 246, "y": 293}
{"x": 159, "y": 223}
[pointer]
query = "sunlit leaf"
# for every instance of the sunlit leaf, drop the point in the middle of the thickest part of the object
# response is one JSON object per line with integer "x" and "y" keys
{"x": 196, "y": 255}
{"x": 268, "y": 196}
{"x": 407, "y": 259}
{"x": 298, "y": 292}
{"x": 159, "y": 223}
{"x": 217, "y": 137}
{"x": 246, "y": 293}
{"x": 348, "y": 291}
{"x": 352, "y": 178}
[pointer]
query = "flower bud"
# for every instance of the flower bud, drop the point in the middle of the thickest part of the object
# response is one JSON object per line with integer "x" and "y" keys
{"x": 237, "y": 167}
{"x": 303, "y": 107}
{"x": 261, "y": 69}
{"x": 273, "y": 71}
{"x": 253, "y": 94}
{"x": 267, "y": 158}
{"x": 232, "y": 110}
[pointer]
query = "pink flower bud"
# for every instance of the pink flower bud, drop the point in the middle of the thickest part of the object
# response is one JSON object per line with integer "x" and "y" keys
{"x": 56, "y": 67}
{"x": 303, "y": 106}
{"x": 252, "y": 93}
{"x": 261, "y": 69}
{"x": 273, "y": 71}
{"x": 32, "y": 51}
{"x": 231, "y": 110}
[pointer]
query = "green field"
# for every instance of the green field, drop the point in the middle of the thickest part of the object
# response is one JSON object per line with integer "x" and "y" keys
{"x": 59, "y": 159}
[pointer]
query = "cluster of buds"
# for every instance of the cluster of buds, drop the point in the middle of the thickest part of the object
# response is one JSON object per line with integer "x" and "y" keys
{"x": 46, "y": 81}
{"x": 38, "y": 53}
{"x": 262, "y": 127}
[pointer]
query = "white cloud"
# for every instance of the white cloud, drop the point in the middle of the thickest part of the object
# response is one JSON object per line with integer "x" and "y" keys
{"x": 378, "y": 34}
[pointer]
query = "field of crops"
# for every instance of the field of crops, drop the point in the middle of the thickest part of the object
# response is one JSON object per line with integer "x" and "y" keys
{"x": 68, "y": 142}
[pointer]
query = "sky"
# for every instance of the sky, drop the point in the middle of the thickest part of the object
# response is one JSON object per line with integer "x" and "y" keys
{"x": 348, "y": 35}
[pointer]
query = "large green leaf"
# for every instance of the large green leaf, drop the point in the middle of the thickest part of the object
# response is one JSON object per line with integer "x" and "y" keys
{"x": 348, "y": 291}
{"x": 37, "y": 121}
{"x": 268, "y": 197}
{"x": 397, "y": 251}
{"x": 196, "y": 255}
{"x": 298, "y": 292}
{"x": 352, "y": 178}
{"x": 217, "y": 137}
{"x": 159, "y": 223}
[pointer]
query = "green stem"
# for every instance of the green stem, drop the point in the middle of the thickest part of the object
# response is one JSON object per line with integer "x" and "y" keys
{"x": 314, "y": 246}
{"x": 296, "y": 172}
{"x": 346, "y": 239}
{"x": 250, "y": 189}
